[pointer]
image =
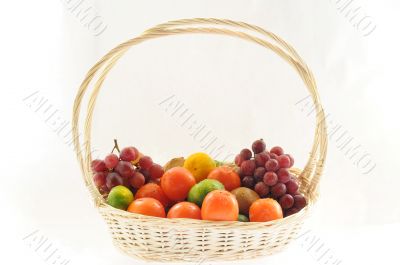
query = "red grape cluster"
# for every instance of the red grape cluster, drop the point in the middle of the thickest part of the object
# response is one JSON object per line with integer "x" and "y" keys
{"x": 267, "y": 172}
{"x": 130, "y": 169}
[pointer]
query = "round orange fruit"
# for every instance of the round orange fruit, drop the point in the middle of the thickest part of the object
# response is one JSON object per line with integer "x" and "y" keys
{"x": 147, "y": 206}
{"x": 176, "y": 183}
{"x": 220, "y": 205}
{"x": 185, "y": 210}
{"x": 152, "y": 190}
{"x": 264, "y": 210}
{"x": 227, "y": 176}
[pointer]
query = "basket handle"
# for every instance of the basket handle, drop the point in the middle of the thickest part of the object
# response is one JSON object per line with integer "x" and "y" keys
{"x": 313, "y": 169}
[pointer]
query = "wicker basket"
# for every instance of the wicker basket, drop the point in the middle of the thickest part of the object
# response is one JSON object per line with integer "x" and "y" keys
{"x": 174, "y": 240}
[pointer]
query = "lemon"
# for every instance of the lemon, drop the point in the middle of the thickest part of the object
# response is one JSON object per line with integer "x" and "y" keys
{"x": 120, "y": 197}
{"x": 199, "y": 164}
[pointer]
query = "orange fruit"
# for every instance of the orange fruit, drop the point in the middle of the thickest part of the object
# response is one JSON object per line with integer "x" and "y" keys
{"x": 220, "y": 205}
{"x": 152, "y": 190}
{"x": 264, "y": 210}
{"x": 227, "y": 176}
{"x": 177, "y": 182}
{"x": 185, "y": 210}
{"x": 147, "y": 206}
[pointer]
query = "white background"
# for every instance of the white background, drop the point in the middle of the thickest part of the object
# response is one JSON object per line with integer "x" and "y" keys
{"x": 238, "y": 90}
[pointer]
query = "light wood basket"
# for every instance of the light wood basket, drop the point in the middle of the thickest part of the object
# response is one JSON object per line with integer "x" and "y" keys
{"x": 175, "y": 240}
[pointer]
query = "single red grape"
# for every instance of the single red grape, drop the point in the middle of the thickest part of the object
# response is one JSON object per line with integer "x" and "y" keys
{"x": 283, "y": 161}
{"x": 273, "y": 156}
{"x": 156, "y": 171}
{"x": 272, "y": 165}
{"x": 277, "y": 150}
{"x": 98, "y": 165}
{"x": 238, "y": 160}
{"x": 270, "y": 178}
{"x": 283, "y": 175}
{"x": 99, "y": 179}
{"x": 258, "y": 146}
{"x": 113, "y": 179}
{"x": 291, "y": 159}
{"x": 125, "y": 169}
{"x": 261, "y": 189}
{"x": 278, "y": 190}
{"x": 247, "y": 167}
{"x": 259, "y": 173}
{"x": 246, "y": 154}
{"x": 292, "y": 186}
{"x": 248, "y": 182}
{"x": 129, "y": 154}
{"x": 261, "y": 158}
{"x": 291, "y": 211}
{"x": 286, "y": 201}
{"x": 137, "y": 180}
{"x": 145, "y": 162}
{"x": 299, "y": 201}
{"x": 111, "y": 161}
{"x": 145, "y": 173}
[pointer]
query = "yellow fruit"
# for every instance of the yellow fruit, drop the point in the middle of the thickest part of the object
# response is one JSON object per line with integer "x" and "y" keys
{"x": 175, "y": 162}
{"x": 199, "y": 164}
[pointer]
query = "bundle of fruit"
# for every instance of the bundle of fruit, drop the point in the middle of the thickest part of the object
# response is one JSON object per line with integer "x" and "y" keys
{"x": 131, "y": 169}
{"x": 267, "y": 172}
{"x": 257, "y": 188}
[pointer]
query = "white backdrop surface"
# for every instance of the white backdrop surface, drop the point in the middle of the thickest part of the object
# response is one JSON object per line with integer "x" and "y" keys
{"x": 238, "y": 90}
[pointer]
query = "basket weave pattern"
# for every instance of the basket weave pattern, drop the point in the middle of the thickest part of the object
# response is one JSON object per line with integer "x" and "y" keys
{"x": 174, "y": 240}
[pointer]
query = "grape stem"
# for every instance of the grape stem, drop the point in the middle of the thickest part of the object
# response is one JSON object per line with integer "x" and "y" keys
{"x": 116, "y": 147}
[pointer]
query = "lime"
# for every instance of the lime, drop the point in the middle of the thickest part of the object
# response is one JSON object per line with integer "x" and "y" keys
{"x": 199, "y": 164}
{"x": 120, "y": 197}
{"x": 243, "y": 218}
{"x": 199, "y": 191}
